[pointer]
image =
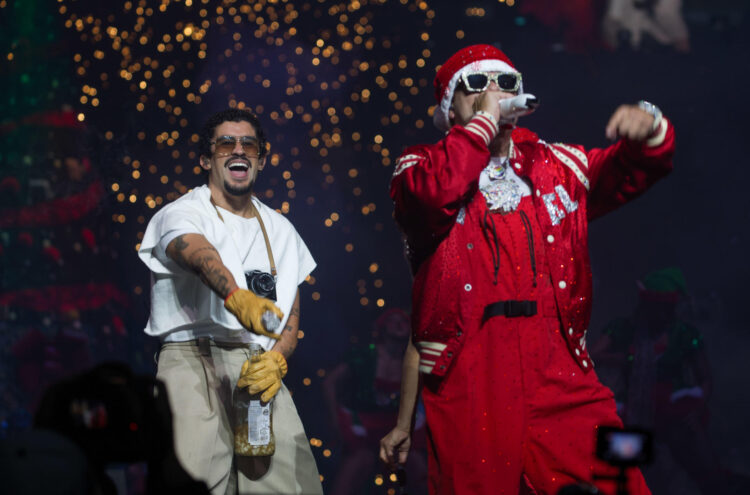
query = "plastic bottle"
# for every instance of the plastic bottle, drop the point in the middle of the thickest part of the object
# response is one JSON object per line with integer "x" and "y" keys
{"x": 253, "y": 430}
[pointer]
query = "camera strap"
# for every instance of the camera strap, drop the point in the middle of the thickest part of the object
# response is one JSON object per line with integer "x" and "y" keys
{"x": 256, "y": 213}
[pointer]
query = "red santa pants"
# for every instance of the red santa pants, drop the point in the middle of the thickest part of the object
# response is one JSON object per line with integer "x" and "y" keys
{"x": 515, "y": 414}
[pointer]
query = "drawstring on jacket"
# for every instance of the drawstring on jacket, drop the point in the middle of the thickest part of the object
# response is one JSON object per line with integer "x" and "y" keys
{"x": 490, "y": 226}
{"x": 530, "y": 238}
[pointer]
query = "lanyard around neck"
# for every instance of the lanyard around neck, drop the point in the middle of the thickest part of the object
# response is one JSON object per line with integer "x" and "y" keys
{"x": 256, "y": 213}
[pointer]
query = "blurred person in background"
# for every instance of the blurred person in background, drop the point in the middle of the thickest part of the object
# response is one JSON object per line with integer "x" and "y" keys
{"x": 362, "y": 394}
{"x": 662, "y": 380}
{"x": 660, "y": 19}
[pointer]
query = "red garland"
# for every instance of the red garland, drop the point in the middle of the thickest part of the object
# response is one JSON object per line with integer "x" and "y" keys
{"x": 54, "y": 212}
{"x": 52, "y": 253}
{"x": 62, "y": 298}
{"x": 63, "y": 118}
{"x": 88, "y": 237}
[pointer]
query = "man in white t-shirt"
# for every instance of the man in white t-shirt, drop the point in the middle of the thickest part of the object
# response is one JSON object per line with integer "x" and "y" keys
{"x": 203, "y": 249}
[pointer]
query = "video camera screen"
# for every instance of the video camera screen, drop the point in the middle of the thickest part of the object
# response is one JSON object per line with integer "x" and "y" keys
{"x": 624, "y": 447}
{"x": 111, "y": 414}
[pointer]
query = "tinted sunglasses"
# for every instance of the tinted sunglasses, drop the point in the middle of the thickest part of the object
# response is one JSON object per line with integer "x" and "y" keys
{"x": 476, "y": 82}
{"x": 224, "y": 145}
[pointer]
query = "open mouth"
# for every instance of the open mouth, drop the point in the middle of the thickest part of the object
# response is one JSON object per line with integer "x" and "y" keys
{"x": 238, "y": 169}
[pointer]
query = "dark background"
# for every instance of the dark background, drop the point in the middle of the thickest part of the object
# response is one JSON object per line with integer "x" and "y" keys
{"x": 69, "y": 307}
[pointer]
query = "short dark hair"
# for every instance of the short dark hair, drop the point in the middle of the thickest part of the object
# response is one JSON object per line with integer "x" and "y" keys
{"x": 230, "y": 115}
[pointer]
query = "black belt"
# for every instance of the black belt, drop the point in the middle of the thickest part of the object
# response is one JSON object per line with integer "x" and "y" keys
{"x": 509, "y": 309}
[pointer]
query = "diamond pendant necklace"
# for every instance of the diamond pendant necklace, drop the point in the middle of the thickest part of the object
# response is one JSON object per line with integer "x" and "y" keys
{"x": 502, "y": 194}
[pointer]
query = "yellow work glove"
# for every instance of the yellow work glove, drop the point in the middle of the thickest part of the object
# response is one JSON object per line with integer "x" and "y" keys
{"x": 263, "y": 375}
{"x": 249, "y": 308}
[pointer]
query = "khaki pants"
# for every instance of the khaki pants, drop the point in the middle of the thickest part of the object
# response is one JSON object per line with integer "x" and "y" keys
{"x": 200, "y": 378}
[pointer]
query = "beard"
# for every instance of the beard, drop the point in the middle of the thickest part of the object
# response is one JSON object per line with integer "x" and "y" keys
{"x": 238, "y": 191}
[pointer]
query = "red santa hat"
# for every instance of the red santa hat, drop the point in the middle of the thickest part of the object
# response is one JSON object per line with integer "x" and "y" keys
{"x": 472, "y": 58}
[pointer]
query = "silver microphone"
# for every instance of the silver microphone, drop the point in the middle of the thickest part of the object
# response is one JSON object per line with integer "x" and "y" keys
{"x": 517, "y": 106}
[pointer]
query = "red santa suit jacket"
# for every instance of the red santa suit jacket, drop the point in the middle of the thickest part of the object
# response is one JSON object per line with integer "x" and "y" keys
{"x": 433, "y": 188}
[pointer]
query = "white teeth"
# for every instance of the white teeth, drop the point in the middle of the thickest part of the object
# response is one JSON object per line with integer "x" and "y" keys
{"x": 238, "y": 166}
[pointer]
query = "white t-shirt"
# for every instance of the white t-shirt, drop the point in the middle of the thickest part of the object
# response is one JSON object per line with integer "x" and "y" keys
{"x": 183, "y": 307}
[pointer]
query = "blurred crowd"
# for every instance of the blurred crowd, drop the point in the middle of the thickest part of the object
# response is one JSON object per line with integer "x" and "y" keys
{"x": 62, "y": 307}
{"x": 634, "y": 24}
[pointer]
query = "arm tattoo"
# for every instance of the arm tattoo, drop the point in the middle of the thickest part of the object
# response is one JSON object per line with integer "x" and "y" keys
{"x": 210, "y": 249}
{"x": 201, "y": 258}
{"x": 204, "y": 260}
{"x": 286, "y": 346}
{"x": 179, "y": 243}
{"x": 294, "y": 312}
{"x": 212, "y": 276}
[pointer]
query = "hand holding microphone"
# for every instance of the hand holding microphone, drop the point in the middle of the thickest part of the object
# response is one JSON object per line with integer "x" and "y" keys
{"x": 517, "y": 106}
{"x": 506, "y": 110}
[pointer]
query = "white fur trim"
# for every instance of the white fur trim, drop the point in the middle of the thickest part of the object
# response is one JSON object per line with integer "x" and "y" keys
{"x": 440, "y": 117}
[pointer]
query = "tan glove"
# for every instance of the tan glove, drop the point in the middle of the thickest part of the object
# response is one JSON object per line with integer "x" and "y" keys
{"x": 263, "y": 375}
{"x": 249, "y": 308}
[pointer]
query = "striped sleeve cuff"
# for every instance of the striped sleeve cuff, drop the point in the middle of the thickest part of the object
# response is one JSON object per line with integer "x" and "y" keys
{"x": 429, "y": 352}
{"x": 406, "y": 161}
{"x": 483, "y": 125}
{"x": 659, "y": 134}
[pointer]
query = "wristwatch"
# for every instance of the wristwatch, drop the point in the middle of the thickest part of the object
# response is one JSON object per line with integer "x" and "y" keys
{"x": 652, "y": 110}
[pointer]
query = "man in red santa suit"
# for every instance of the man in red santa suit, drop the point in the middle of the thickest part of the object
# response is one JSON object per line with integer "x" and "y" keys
{"x": 496, "y": 224}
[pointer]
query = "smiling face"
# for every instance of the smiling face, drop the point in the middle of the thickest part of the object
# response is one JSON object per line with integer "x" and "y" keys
{"x": 233, "y": 172}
